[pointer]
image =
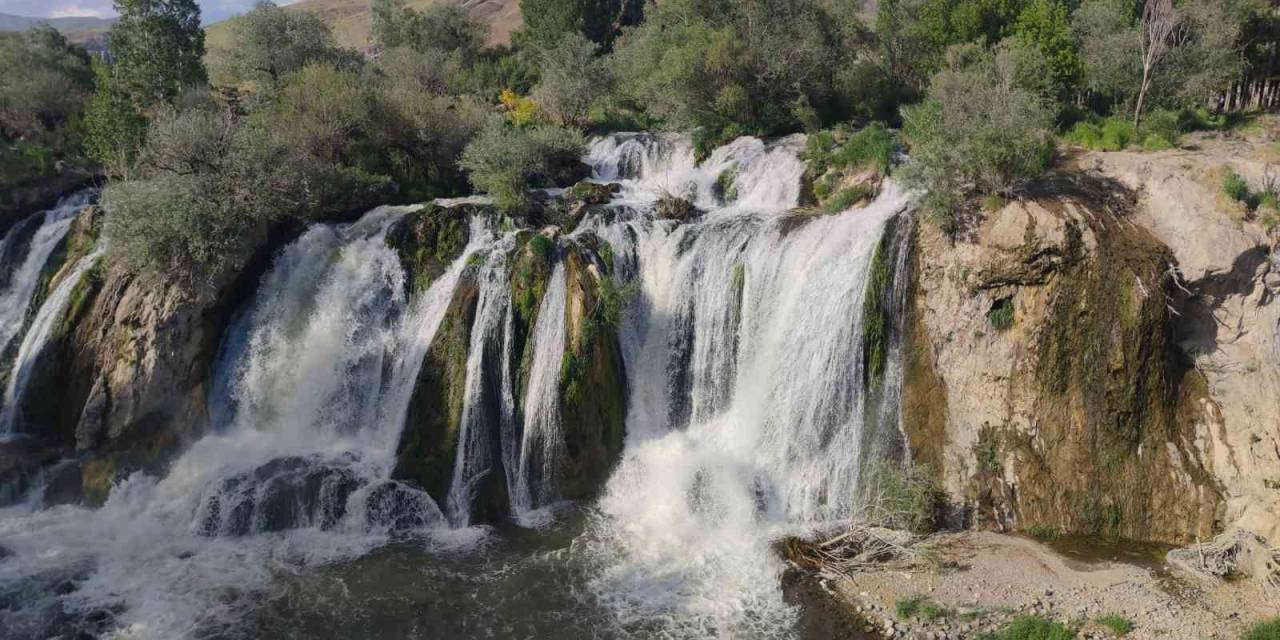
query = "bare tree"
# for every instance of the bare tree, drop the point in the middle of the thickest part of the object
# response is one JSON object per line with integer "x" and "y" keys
{"x": 1157, "y": 35}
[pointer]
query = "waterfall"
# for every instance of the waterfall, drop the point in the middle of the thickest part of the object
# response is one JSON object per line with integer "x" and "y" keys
{"x": 750, "y": 410}
{"x": 486, "y": 401}
{"x": 309, "y": 396}
{"x": 24, "y": 254}
{"x": 748, "y": 413}
{"x": 37, "y": 337}
{"x": 542, "y": 445}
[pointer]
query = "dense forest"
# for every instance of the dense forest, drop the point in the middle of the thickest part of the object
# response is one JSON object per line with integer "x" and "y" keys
{"x": 202, "y": 155}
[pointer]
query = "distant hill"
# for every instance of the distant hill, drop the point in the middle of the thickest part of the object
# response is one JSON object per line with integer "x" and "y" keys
{"x": 351, "y": 19}
{"x": 88, "y": 32}
{"x": 10, "y": 22}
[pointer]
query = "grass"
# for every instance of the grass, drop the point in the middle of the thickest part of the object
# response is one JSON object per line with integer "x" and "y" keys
{"x": 1032, "y": 628}
{"x": 921, "y": 607}
{"x": 1263, "y": 630}
{"x": 1117, "y": 624}
{"x": 1234, "y": 186}
{"x": 847, "y": 198}
{"x": 872, "y": 147}
{"x": 1042, "y": 531}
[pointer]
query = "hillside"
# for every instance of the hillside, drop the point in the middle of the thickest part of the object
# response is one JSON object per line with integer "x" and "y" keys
{"x": 350, "y": 20}
{"x": 10, "y": 22}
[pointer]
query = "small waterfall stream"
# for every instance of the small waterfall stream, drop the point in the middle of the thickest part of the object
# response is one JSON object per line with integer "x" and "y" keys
{"x": 25, "y": 255}
{"x": 748, "y": 418}
{"x": 541, "y": 447}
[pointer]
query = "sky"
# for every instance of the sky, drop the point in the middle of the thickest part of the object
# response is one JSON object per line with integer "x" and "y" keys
{"x": 210, "y": 10}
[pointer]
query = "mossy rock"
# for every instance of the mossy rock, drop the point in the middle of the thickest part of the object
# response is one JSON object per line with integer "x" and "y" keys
{"x": 430, "y": 239}
{"x": 588, "y": 192}
{"x": 429, "y": 440}
{"x": 593, "y": 384}
{"x": 675, "y": 208}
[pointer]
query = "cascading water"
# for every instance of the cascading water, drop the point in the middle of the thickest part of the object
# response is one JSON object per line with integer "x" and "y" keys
{"x": 310, "y": 394}
{"x": 37, "y": 336}
{"x": 749, "y": 418}
{"x": 23, "y": 256}
{"x": 541, "y": 447}
{"x": 747, "y": 414}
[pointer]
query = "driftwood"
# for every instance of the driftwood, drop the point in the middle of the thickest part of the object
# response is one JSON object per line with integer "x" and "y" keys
{"x": 1233, "y": 554}
{"x": 858, "y": 547}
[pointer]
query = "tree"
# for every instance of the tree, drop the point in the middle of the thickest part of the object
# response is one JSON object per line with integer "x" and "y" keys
{"x": 573, "y": 79}
{"x": 980, "y": 129}
{"x": 505, "y": 160}
{"x": 754, "y": 67}
{"x": 546, "y": 21}
{"x": 443, "y": 27}
{"x": 1046, "y": 24}
{"x": 44, "y": 82}
{"x": 270, "y": 43}
{"x": 158, "y": 47}
{"x": 1156, "y": 36}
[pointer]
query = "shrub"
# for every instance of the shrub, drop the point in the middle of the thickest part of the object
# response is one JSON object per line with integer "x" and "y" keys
{"x": 977, "y": 130}
{"x": 1164, "y": 123}
{"x": 1034, "y": 628}
{"x": 1117, "y": 133}
{"x": 1234, "y": 185}
{"x": 1156, "y": 142}
{"x": 871, "y": 147}
{"x": 1263, "y": 630}
{"x": 505, "y": 160}
{"x": 909, "y": 607}
{"x": 573, "y": 80}
{"x": 1119, "y": 625}
{"x": 901, "y": 497}
{"x": 1001, "y": 314}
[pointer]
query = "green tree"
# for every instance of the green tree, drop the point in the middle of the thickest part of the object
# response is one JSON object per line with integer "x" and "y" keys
{"x": 114, "y": 127}
{"x": 44, "y": 82}
{"x": 1047, "y": 25}
{"x": 980, "y": 129}
{"x": 270, "y": 43}
{"x": 546, "y": 21}
{"x": 573, "y": 79}
{"x": 445, "y": 27}
{"x": 504, "y": 160}
{"x": 715, "y": 65}
{"x": 157, "y": 47}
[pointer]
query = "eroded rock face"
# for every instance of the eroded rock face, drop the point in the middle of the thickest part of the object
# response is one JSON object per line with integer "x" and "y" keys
{"x": 122, "y": 381}
{"x": 1044, "y": 376}
{"x": 1227, "y": 261}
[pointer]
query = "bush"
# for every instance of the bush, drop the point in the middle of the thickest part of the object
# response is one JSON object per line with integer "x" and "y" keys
{"x": 1001, "y": 314}
{"x": 271, "y": 43}
{"x": 1117, "y": 133}
{"x": 1156, "y": 142}
{"x": 901, "y": 497}
{"x": 1264, "y": 630}
{"x": 1119, "y": 625}
{"x": 443, "y": 27}
{"x": 573, "y": 80}
{"x": 976, "y": 131}
{"x": 1234, "y": 186}
{"x": 505, "y": 160}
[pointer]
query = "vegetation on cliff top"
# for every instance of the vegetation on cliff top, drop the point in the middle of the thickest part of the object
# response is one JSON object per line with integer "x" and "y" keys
{"x": 981, "y": 89}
